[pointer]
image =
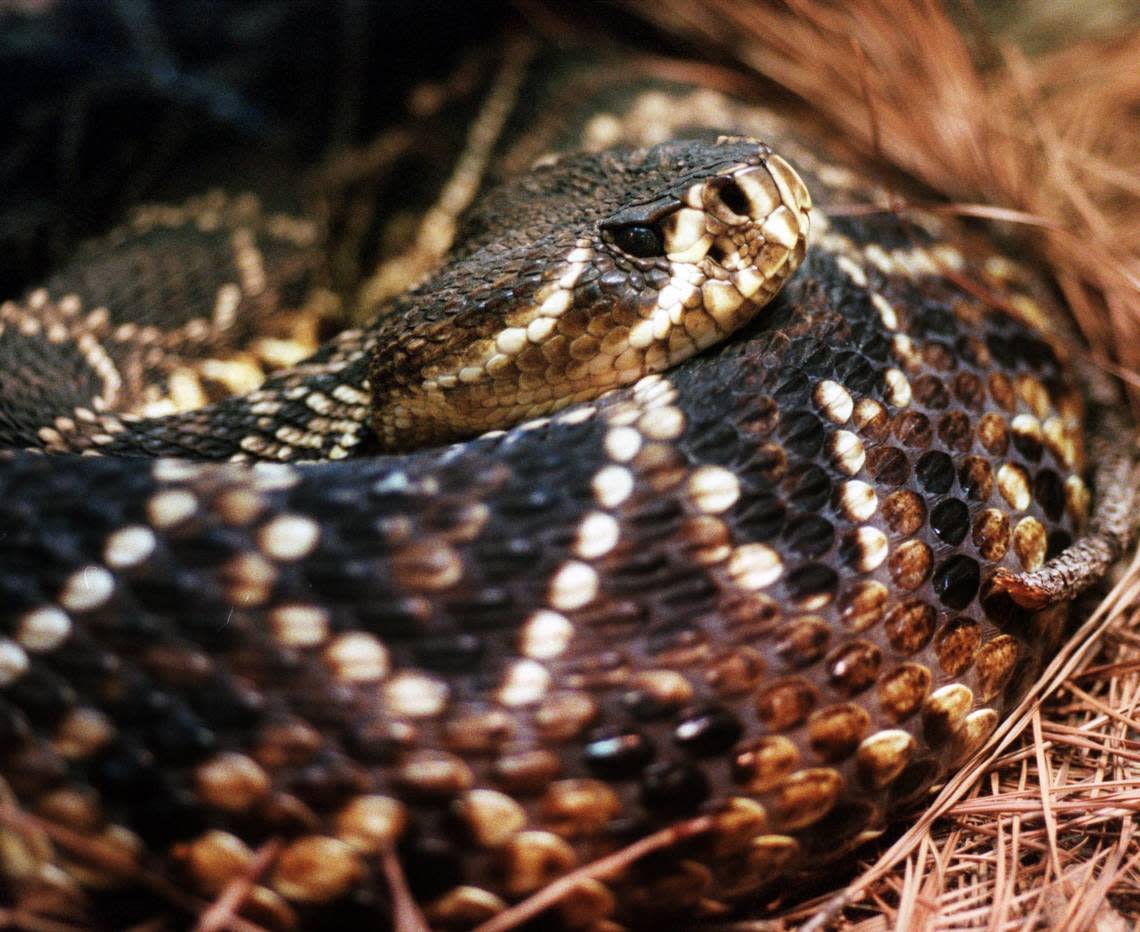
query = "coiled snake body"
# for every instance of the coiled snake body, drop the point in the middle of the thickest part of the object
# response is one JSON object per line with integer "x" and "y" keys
{"x": 756, "y": 586}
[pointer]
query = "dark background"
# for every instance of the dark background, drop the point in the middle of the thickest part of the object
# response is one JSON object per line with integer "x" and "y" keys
{"x": 104, "y": 103}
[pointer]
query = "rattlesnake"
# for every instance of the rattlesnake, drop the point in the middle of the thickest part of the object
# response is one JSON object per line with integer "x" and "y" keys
{"x": 766, "y": 587}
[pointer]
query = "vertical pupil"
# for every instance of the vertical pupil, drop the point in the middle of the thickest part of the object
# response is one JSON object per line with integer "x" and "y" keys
{"x": 637, "y": 240}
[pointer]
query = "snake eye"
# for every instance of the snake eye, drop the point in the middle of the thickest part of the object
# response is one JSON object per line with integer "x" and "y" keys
{"x": 639, "y": 240}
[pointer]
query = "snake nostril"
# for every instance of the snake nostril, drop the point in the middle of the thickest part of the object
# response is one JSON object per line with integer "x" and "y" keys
{"x": 718, "y": 252}
{"x": 734, "y": 198}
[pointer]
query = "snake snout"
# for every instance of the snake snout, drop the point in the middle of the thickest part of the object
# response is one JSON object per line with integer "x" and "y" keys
{"x": 746, "y": 194}
{"x": 743, "y": 233}
{"x": 780, "y": 210}
{"x": 752, "y": 219}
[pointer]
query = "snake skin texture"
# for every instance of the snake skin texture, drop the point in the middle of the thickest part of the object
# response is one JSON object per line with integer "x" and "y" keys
{"x": 755, "y": 586}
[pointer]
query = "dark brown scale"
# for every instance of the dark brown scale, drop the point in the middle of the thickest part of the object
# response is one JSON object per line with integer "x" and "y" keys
{"x": 935, "y": 472}
{"x": 910, "y": 626}
{"x": 812, "y": 582}
{"x": 1028, "y": 445}
{"x": 956, "y": 645}
{"x": 889, "y": 465}
{"x": 615, "y": 753}
{"x": 803, "y": 641}
{"x": 1058, "y": 542}
{"x": 955, "y": 431}
{"x": 975, "y": 477}
{"x": 835, "y": 732}
{"x": 910, "y": 564}
{"x": 992, "y": 433}
{"x": 956, "y": 581}
{"x": 854, "y": 667}
{"x": 809, "y": 535}
{"x": 785, "y": 703}
{"x": 904, "y": 512}
{"x": 950, "y": 520}
{"x": 863, "y": 605}
{"x": 902, "y": 690}
{"x": 505, "y": 659}
{"x": 1002, "y": 391}
{"x": 676, "y": 789}
{"x": 929, "y": 390}
{"x": 969, "y": 389}
{"x": 913, "y": 430}
{"x": 708, "y": 731}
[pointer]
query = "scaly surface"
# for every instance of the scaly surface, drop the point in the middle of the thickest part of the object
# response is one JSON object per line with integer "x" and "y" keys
{"x": 754, "y": 586}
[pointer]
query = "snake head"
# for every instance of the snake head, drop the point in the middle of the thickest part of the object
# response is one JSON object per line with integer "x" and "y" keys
{"x": 584, "y": 275}
{"x": 730, "y": 233}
